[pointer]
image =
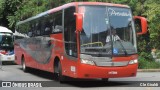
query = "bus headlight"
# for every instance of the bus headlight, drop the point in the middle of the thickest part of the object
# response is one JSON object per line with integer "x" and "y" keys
{"x": 84, "y": 61}
{"x": 133, "y": 61}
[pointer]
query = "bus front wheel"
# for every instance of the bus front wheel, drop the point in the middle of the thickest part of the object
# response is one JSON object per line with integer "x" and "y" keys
{"x": 105, "y": 79}
{"x": 60, "y": 77}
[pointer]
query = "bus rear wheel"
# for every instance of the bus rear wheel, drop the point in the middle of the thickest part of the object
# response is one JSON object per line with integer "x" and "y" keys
{"x": 24, "y": 68}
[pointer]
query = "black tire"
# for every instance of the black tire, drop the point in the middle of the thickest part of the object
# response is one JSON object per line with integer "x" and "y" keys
{"x": 24, "y": 67}
{"x": 60, "y": 77}
{"x": 105, "y": 79}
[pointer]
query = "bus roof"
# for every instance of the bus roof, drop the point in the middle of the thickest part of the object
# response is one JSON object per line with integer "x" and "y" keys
{"x": 4, "y": 29}
{"x": 68, "y": 5}
{"x": 86, "y": 3}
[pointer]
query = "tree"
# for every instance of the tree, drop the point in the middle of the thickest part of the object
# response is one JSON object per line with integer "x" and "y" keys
{"x": 7, "y": 8}
{"x": 153, "y": 16}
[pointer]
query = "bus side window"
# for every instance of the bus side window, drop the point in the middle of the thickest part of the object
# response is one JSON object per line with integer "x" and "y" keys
{"x": 69, "y": 32}
{"x": 57, "y": 23}
{"x": 37, "y": 28}
{"x": 45, "y": 25}
{"x": 47, "y": 29}
{"x": 30, "y": 34}
{"x": 32, "y": 31}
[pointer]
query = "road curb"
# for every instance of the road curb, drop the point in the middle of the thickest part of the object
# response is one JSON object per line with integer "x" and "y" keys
{"x": 148, "y": 70}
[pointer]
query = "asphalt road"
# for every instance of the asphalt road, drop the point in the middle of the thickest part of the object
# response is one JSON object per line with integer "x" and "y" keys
{"x": 12, "y": 73}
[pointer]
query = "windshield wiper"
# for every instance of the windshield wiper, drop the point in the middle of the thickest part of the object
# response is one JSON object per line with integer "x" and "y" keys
{"x": 123, "y": 47}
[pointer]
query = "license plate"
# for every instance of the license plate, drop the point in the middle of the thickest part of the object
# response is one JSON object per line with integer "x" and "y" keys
{"x": 9, "y": 58}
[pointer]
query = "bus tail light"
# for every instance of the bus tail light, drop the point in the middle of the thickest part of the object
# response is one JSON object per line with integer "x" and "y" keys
{"x": 3, "y": 52}
{"x": 84, "y": 61}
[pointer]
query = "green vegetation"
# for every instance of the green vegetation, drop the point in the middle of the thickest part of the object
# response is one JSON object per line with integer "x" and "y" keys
{"x": 12, "y": 11}
{"x": 147, "y": 62}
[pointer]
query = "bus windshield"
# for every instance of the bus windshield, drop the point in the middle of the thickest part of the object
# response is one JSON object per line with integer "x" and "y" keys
{"x": 107, "y": 31}
{"x": 6, "y": 40}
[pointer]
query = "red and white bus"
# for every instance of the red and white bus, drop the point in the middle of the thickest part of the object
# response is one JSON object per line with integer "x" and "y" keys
{"x": 71, "y": 40}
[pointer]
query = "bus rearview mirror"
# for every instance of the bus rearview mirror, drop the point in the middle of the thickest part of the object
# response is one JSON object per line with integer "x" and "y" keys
{"x": 140, "y": 25}
{"x": 79, "y": 21}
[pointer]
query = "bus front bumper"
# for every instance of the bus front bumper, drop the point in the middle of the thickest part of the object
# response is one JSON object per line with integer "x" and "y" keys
{"x": 91, "y": 72}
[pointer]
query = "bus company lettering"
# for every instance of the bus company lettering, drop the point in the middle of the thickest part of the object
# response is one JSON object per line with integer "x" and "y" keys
{"x": 117, "y": 13}
{"x": 149, "y": 84}
{"x": 15, "y": 84}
